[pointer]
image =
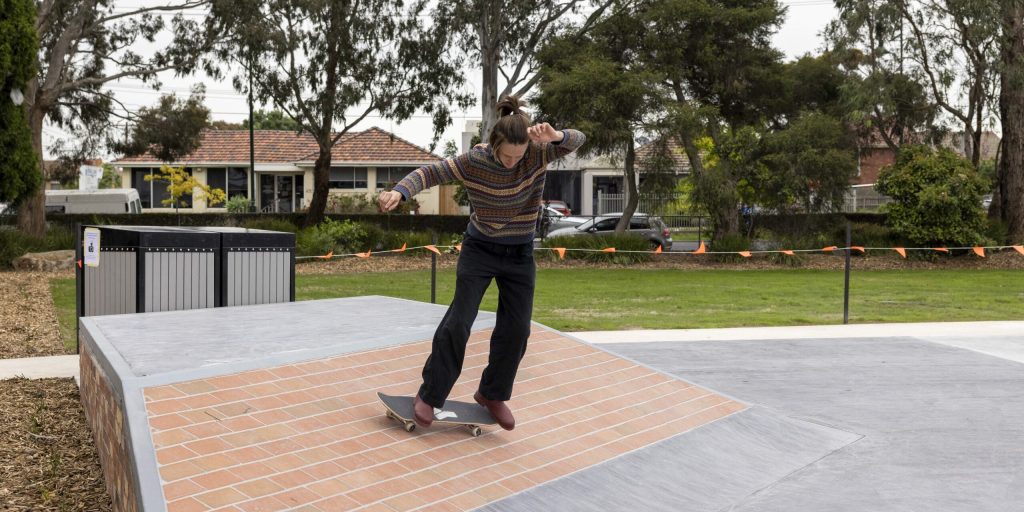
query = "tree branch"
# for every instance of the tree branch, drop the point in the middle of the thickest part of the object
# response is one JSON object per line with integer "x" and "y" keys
{"x": 926, "y": 64}
{"x": 78, "y": 84}
{"x": 165, "y": 8}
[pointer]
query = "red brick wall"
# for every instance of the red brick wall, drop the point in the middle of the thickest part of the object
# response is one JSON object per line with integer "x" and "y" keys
{"x": 872, "y": 160}
{"x": 105, "y": 414}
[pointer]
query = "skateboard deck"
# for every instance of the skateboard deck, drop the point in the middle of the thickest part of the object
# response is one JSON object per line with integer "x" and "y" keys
{"x": 470, "y": 415}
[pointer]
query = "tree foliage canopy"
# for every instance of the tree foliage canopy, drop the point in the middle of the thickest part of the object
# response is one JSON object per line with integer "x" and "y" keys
{"x": 19, "y": 167}
{"x": 170, "y": 130}
{"x": 329, "y": 64}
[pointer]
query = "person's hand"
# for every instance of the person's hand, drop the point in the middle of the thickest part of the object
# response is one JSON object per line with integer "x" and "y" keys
{"x": 389, "y": 200}
{"x": 543, "y": 132}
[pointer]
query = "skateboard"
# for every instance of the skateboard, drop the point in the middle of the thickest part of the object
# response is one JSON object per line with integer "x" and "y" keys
{"x": 470, "y": 415}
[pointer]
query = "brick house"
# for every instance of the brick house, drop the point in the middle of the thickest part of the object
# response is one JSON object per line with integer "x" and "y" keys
{"x": 362, "y": 163}
{"x": 873, "y": 155}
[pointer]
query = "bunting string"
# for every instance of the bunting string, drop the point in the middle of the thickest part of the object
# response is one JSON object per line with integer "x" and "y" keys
{"x": 980, "y": 251}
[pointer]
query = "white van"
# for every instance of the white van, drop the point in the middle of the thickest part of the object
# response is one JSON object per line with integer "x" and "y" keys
{"x": 107, "y": 200}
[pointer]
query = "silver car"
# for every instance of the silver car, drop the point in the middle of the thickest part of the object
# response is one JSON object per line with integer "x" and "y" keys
{"x": 652, "y": 228}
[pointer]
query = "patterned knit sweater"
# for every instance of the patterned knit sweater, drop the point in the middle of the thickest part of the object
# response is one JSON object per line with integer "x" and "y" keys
{"x": 506, "y": 202}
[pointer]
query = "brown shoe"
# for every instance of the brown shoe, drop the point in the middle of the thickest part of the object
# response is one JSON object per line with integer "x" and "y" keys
{"x": 501, "y": 413}
{"x": 422, "y": 412}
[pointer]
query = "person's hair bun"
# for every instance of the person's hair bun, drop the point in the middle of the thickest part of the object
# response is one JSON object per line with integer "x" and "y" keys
{"x": 509, "y": 105}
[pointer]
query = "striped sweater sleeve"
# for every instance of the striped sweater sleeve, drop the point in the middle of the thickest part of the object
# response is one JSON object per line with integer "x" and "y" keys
{"x": 440, "y": 173}
{"x": 571, "y": 142}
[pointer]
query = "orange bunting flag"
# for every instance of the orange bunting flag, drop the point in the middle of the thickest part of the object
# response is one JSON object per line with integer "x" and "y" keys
{"x": 902, "y": 251}
{"x": 327, "y": 256}
{"x": 701, "y": 249}
{"x": 745, "y": 254}
{"x": 560, "y": 251}
{"x": 787, "y": 252}
{"x": 363, "y": 254}
{"x": 940, "y": 249}
{"x": 829, "y": 248}
{"x": 1019, "y": 248}
{"x": 403, "y": 248}
{"x": 980, "y": 251}
{"x": 79, "y": 263}
{"x": 658, "y": 250}
{"x": 432, "y": 249}
{"x": 458, "y": 247}
{"x": 859, "y": 249}
{"x": 608, "y": 249}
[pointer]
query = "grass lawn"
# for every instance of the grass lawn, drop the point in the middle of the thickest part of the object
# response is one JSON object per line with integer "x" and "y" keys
{"x": 63, "y": 291}
{"x": 608, "y": 299}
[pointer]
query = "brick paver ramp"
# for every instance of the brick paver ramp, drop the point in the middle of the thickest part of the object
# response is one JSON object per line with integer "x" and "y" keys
{"x": 313, "y": 436}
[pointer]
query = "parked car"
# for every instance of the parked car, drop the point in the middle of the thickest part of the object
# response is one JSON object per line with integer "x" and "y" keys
{"x": 560, "y": 206}
{"x": 652, "y": 228}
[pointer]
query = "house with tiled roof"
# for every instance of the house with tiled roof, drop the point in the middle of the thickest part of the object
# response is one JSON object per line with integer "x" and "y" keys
{"x": 362, "y": 163}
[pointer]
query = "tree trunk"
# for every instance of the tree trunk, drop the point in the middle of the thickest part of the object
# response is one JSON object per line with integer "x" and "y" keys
{"x": 32, "y": 210}
{"x": 321, "y": 177}
{"x": 632, "y": 196}
{"x": 1011, "y": 107}
{"x": 489, "y": 92}
{"x": 489, "y": 34}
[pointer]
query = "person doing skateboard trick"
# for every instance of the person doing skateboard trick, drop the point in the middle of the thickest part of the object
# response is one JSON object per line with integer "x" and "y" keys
{"x": 504, "y": 180}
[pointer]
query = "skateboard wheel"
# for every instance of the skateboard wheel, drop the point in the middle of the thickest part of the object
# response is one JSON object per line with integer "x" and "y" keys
{"x": 476, "y": 431}
{"x": 410, "y": 426}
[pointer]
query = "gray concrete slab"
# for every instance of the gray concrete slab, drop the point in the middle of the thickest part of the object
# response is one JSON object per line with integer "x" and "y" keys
{"x": 40, "y": 367}
{"x": 943, "y": 427}
{"x": 173, "y": 342}
{"x": 706, "y": 469}
{"x": 1006, "y": 347}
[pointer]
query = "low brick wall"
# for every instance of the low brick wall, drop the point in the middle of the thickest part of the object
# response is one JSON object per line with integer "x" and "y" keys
{"x": 105, "y": 413}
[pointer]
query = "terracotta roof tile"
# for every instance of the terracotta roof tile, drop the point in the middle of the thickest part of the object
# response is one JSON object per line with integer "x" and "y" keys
{"x": 678, "y": 154}
{"x": 284, "y": 147}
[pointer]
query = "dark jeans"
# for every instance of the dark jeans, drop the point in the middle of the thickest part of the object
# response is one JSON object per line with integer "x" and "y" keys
{"x": 513, "y": 268}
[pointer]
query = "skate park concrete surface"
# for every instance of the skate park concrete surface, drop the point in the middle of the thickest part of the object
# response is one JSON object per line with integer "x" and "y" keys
{"x": 273, "y": 407}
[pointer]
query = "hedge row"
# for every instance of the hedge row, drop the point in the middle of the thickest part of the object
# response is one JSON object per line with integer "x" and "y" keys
{"x": 437, "y": 223}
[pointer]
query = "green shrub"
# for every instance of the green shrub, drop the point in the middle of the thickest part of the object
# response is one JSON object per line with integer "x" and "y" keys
{"x": 270, "y": 224}
{"x": 237, "y": 204}
{"x": 351, "y": 203}
{"x": 374, "y": 237}
{"x": 626, "y": 242}
{"x": 937, "y": 197}
{"x": 344, "y": 237}
{"x": 730, "y": 243}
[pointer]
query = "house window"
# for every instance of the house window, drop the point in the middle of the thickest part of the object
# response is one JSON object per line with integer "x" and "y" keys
{"x": 153, "y": 193}
{"x": 348, "y": 177}
{"x": 234, "y": 181}
{"x": 387, "y": 177}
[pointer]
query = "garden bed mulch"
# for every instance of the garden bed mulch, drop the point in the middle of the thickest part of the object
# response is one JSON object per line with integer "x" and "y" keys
{"x": 28, "y": 319}
{"x": 48, "y": 460}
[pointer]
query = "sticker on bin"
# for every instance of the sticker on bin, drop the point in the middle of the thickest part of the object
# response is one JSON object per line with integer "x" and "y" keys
{"x": 91, "y": 247}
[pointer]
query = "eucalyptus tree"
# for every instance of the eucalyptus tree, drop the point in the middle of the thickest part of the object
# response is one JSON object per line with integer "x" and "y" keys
{"x": 328, "y": 64}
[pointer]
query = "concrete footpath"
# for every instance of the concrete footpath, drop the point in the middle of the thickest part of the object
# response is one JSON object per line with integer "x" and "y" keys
{"x": 40, "y": 367}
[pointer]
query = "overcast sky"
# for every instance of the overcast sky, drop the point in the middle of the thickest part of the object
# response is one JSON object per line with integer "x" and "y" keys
{"x": 800, "y": 34}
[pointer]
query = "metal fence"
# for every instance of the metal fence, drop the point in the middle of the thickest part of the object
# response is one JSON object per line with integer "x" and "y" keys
{"x": 648, "y": 203}
{"x": 864, "y": 198}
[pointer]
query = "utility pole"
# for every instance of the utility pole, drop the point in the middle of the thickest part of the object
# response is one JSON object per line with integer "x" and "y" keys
{"x": 252, "y": 146}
